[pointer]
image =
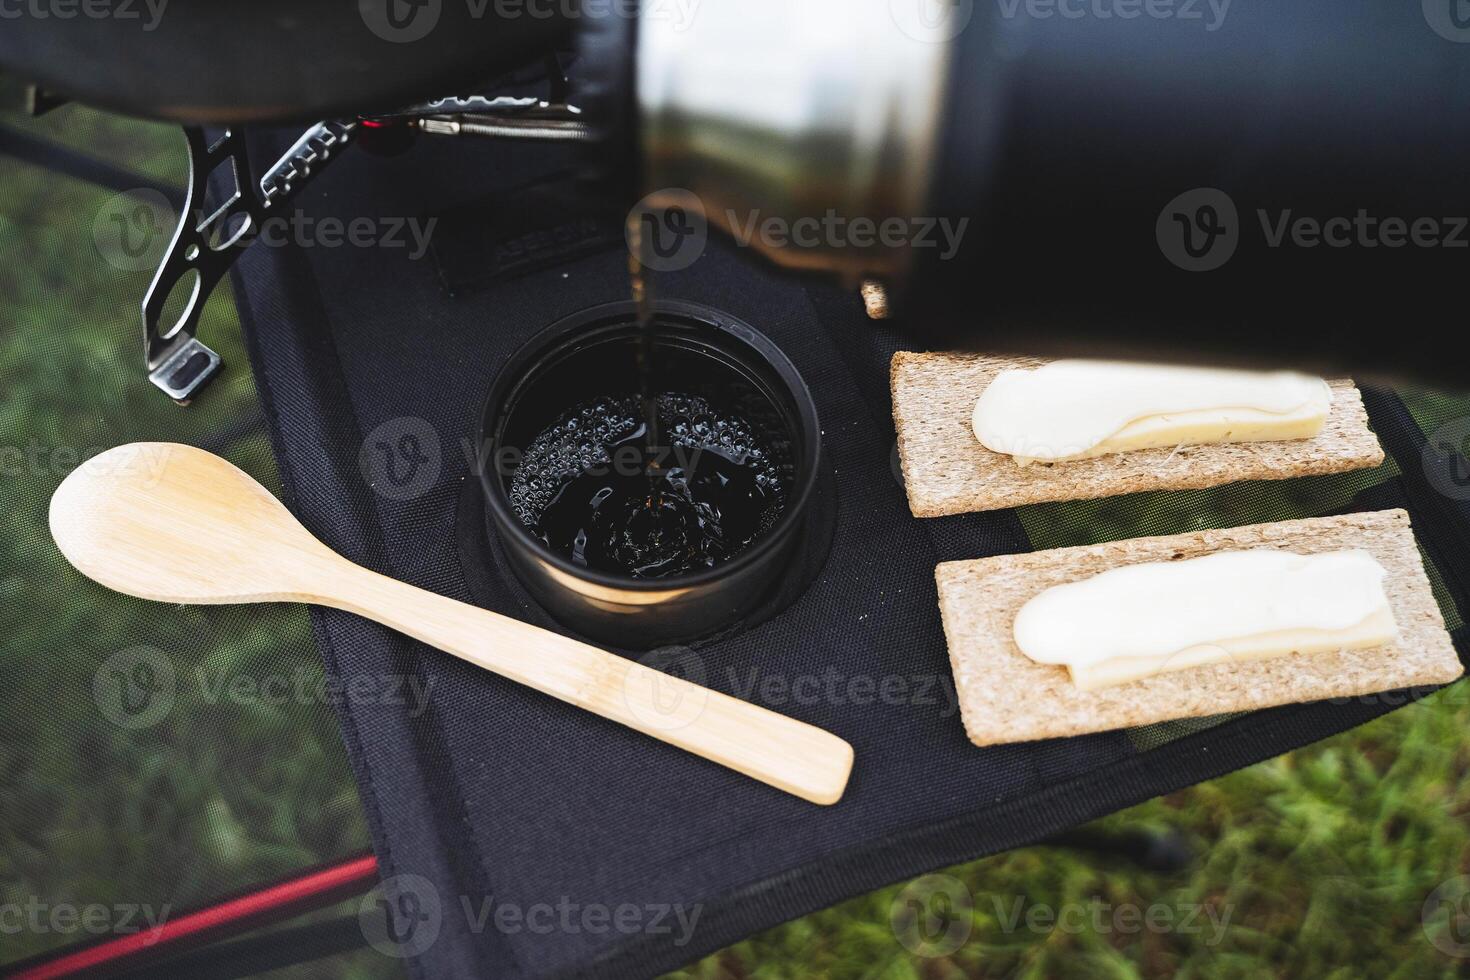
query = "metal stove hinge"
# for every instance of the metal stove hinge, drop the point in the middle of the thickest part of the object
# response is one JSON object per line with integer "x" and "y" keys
{"x": 204, "y": 246}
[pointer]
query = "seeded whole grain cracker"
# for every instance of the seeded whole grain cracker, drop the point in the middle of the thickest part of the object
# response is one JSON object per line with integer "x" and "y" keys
{"x": 1006, "y": 697}
{"x": 947, "y": 471}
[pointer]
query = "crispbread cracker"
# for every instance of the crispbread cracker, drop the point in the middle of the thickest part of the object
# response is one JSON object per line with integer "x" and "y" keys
{"x": 947, "y": 471}
{"x": 1006, "y": 697}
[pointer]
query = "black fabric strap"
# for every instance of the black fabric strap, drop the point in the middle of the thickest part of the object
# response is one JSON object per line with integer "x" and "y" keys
{"x": 65, "y": 160}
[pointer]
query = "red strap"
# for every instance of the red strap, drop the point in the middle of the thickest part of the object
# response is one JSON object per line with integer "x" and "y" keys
{"x": 284, "y": 900}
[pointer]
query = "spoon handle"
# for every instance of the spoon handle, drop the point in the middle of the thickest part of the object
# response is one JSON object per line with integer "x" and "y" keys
{"x": 791, "y": 755}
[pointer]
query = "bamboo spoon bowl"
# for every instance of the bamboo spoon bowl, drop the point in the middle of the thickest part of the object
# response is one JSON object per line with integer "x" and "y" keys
{"x": 177, "y": 524}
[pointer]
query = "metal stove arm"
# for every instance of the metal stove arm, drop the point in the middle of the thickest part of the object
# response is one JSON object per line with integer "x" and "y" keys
{"x": 206, "y": 245}
{"x": 501, "y": 116}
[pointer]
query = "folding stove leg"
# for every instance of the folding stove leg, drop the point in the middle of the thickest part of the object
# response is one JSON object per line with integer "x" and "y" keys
{"x": 204, "y": 246}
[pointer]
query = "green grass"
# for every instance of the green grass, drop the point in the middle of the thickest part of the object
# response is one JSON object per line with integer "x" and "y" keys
{"x": 1318, "y": 863}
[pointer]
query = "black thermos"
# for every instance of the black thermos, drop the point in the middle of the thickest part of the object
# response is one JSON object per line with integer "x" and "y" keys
{"x": 1292, "y": 185}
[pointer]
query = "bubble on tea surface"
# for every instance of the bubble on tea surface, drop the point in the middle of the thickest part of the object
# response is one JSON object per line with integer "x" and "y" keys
{"x": 584, "y": 437}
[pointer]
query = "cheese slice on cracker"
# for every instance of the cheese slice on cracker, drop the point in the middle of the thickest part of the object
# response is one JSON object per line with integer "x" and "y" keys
{"x": 1074, "y": 409}
{"x": 1139, "y": 620}
{"x": 947, "y": 470}
{"x": 1006, "y": 696}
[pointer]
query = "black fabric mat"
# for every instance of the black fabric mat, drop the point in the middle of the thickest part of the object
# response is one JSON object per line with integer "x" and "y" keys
{"x": 498, "y": 797}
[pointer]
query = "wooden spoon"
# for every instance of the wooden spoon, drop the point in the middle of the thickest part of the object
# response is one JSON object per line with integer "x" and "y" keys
{"x": 178, "y": 524}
